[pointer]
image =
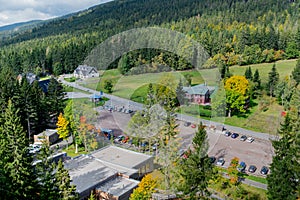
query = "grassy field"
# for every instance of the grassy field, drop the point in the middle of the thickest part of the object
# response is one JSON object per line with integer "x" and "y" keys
{"x": 135, "y": 88}
{"x": 71, "y": 89}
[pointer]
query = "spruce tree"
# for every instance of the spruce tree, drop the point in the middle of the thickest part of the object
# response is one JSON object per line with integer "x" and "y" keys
{"x": 197, "y": 169}
{"x": 16, "y": 163}
{"x": 273, "y": 80}
{"x": 66, "y": 191}
{"x": 283, "y": 179}
{"x": 248, "y": 74}
{"x": 180, "y": 94}
{"x": 296, "y": 72}
{"x": 256, "y": 80}
{"x": 55, "y": 98}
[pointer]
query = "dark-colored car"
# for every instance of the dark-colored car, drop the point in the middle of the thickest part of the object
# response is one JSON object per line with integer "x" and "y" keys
{"x": 187, "y": 124}
{"x": 234, "y": 135}
{"x": 212, "y": 159}
{"x": 264, "y": 170}
{"x": 241, "y": 167}
{"x": 252, "y": 168}
{"x": 243, "y": 138}
{"x": 227, "y": 133}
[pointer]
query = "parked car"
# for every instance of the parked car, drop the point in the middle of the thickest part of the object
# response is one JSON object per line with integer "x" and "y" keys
{"x": 120, "y": 138}
{"x": 193, "y": 125}
{"x": 250, "y": 139}
{"x": 234, "y": 135}
{"x": 187, "y": 124}
{"x": 243, "y": 138}
{"x": 227, "y": 134}
{"x": 264, "y": 170}
{"x": 241, "y": 167}
{"x": 34, "y": 148}
{"x": 212, "y": 159}
{"x": 252, "y": 168}
{"x": 220, "y": 161}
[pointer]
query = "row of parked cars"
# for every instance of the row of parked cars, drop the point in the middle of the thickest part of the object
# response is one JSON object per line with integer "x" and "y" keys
{"x": 119, "y": 109}
{"x": 236, "y": 135}
{"x": 241, "y": 167}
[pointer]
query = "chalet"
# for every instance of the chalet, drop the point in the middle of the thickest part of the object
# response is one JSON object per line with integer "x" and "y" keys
{"x": 199, "y": 94}
{"x": 50, "y": 135}
{"x": 84, "y": 71}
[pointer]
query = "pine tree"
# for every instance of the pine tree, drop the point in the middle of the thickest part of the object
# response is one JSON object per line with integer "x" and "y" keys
{"x": 16, "y": 169}
{"x": 248, "y": 74}
{"x": 197, "y": 169}
{"x": 273, "y": 80}
{"x": 283, "y": 179}
{"x": 66, "y": 191}
{"x": 296, "y": 72}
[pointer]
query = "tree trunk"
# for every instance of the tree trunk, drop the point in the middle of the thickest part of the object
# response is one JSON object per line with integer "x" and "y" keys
{"x": 229, "y": 113}
{"x": 76, "y": 148}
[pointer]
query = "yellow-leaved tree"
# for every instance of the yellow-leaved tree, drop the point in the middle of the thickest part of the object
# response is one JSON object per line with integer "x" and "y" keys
{"x": 237, "y": 94}
{"x": 62, "y": 127}
{"x": 145, "y": 189}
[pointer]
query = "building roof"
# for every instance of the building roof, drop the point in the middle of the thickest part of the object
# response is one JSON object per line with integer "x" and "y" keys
{"x": 48, "y": 132}
{"x": 121, "y": 157}
{"x": 201, "y": 89}
{"x": 87, "y": 173}
{"x": 84, "y": 69}
{"x": 118, "y": 186}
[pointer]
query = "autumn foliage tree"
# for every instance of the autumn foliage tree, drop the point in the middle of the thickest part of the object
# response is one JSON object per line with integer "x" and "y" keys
{"x": 237, "y": 94}
{"x": 233, "y": 172}
{"x": 62, "y": 127}
{"x": 145, "y": 189}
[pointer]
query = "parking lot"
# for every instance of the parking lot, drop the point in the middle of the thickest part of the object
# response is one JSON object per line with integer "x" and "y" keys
{"x": 258, "y": 153}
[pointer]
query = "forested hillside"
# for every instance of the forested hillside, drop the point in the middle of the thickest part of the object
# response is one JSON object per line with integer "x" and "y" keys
{"x": 232, "y": 31}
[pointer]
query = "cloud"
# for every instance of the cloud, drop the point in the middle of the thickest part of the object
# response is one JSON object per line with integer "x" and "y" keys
{"x": 13, "y": 11}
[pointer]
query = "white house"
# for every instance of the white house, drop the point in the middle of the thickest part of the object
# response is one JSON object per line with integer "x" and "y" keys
{"x": 84, "y": 71}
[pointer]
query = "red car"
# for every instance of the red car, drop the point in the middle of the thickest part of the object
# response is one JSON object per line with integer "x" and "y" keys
{"x": 193, "y": 125}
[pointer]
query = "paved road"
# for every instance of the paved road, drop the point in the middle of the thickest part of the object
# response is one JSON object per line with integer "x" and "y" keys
{"x": 114, "y": 100}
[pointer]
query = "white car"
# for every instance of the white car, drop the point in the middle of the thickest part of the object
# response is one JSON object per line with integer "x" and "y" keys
{"x": 220, "y": 161}
{"x": 250, "y": 139}
{"x": 33, "y": 148}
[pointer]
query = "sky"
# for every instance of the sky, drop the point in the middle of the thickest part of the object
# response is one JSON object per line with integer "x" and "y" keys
{"x": 13, "y": 11}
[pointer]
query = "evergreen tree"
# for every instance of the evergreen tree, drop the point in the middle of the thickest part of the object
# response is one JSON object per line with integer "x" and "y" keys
{"x": 45, "y": 170}
{"x": 108, "y": 85}
{"x": 16, "y": 169}
{"x": 66, "y": 191}
{"x": 283, "y": 179}
{"x": 180, "y": 94}
{"x": 256, "y": 80}
{"x": 55, "y": 98}
{"x": 296, "y": 72}
{"x": 248, "y": 74}
{"x": 151, "y": 98}
{"x": 197, "y": 169}
{"x": 124, "y": 65}
{"x": 273, "y": 80}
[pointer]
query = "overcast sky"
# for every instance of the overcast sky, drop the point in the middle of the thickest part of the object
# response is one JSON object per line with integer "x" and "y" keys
{"x": 13, "y": 11}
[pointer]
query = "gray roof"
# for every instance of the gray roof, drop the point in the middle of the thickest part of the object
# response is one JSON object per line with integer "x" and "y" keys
{"x": 87, "y": 173}
{"x": 121, "y": 157}
{"x": 84, "y": 69}
{"x": 48, "y": 132}
{"x": 118, "y": 186}
{"x": 201, "y": 89}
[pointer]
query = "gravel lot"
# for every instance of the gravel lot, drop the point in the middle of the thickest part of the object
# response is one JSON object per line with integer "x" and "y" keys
{"x": 257, "y": 153}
